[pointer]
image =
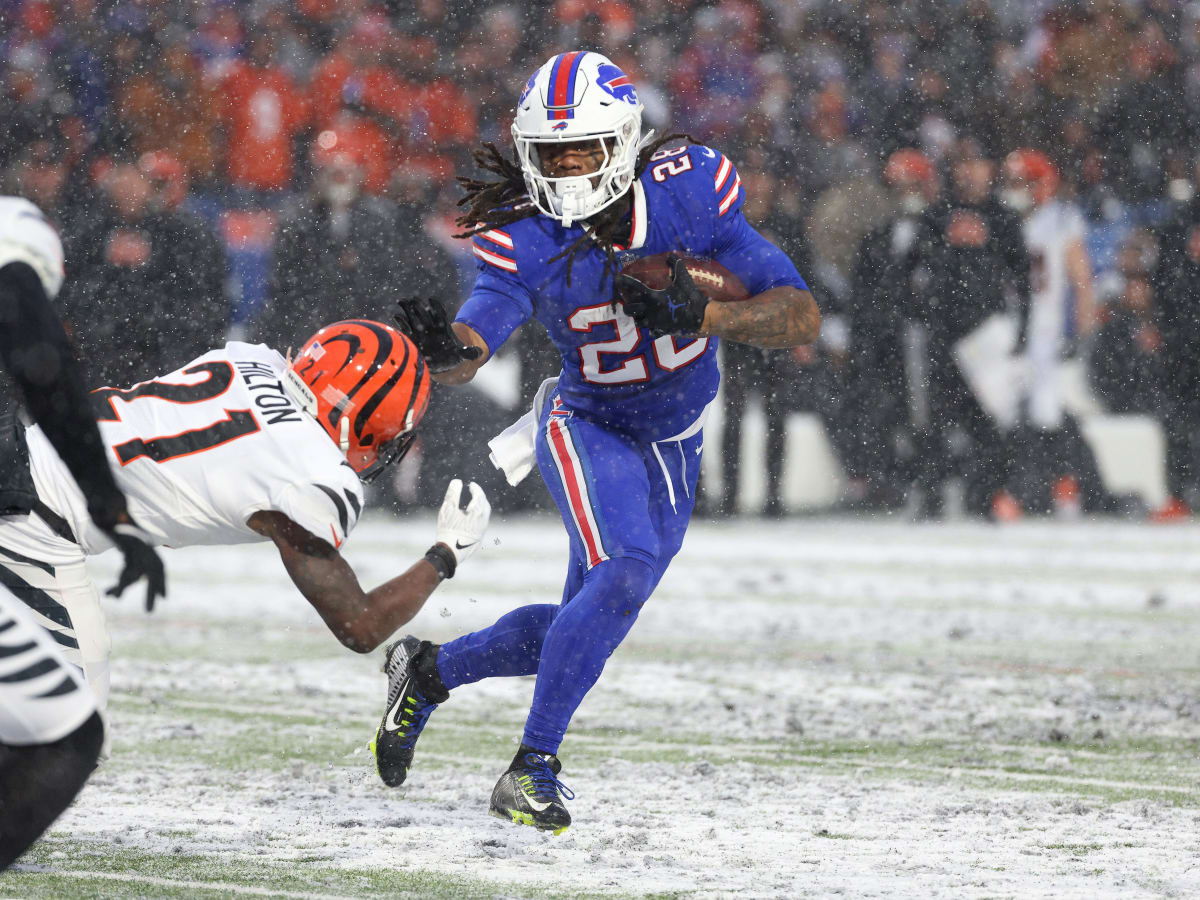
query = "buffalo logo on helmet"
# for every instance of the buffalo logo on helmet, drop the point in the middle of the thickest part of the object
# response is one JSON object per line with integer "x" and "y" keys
{"x": 616, "y": 84}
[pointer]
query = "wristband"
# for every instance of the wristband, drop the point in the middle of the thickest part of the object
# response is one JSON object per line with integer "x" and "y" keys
{"x": 442, "y": 559}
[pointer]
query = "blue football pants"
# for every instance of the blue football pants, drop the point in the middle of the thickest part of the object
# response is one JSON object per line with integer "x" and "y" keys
{"x": 626, "y": 506}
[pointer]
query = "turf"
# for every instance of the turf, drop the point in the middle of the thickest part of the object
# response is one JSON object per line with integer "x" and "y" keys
{"x": 814, "y": 708}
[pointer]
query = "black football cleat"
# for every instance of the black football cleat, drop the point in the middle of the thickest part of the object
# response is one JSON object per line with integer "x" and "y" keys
{"x": 529, "y": 793}
{"x": 414, "y": 691}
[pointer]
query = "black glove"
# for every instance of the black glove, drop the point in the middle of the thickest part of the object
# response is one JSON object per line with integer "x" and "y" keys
{"x": 424, "y": 320}
{"x": 676, "y": 309}
{"x": 141, "y": 561}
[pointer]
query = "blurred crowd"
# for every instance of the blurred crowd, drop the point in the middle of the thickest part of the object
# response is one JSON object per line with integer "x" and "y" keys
{"x": 986, "y": 195}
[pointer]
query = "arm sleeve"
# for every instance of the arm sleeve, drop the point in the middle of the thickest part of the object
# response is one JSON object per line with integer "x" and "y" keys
{"x": 499, "y": 304}
{"x": 36, "y": 353}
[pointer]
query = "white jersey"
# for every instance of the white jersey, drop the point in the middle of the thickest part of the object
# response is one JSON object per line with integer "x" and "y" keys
{"x": 26, "y": 237}
{"x": 1049, "y": 231}
{"x": 198, "y": 451}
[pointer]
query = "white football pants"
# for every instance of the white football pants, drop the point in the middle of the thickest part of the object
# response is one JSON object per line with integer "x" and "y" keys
{"x": 43, "y": 698}
{"x": 47, "y": 574}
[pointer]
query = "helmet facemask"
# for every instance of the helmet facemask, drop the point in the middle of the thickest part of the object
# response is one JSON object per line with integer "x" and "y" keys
{"x": 574, "y": 197}
{"x": 388, "y": 454}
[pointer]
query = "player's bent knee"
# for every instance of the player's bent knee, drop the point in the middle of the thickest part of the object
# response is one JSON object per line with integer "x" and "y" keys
{"x": 625, "y": 583}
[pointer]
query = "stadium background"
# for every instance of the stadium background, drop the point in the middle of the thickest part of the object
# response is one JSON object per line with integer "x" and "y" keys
{"x": 196, "y": 155}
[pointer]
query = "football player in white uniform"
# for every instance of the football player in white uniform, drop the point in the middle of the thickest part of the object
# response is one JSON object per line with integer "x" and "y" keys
{"x": 1054, "y": 235}
{"x": 1054, "y": 231}
{"x": 50, "y": 730}
{"x": 238, "y": 446}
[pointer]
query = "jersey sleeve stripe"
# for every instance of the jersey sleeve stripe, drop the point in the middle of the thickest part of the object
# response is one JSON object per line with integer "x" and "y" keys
{"x": 343, "y": 514}
{"x": 495, "y": 259}
{"x": 352, "y": 499}
{"x": 722, "y": 172}
{"x": 727, "y": 200}
{"x": 499, "y": 237}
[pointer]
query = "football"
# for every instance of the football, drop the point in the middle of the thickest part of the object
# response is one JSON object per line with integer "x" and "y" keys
{"x": 716, "y": 281}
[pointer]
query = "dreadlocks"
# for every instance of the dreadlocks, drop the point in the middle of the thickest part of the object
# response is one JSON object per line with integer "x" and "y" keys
{"x": 494, "y": 204}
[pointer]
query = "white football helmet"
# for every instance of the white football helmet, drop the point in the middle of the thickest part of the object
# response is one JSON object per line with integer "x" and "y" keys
{"x": 578, "y": 96}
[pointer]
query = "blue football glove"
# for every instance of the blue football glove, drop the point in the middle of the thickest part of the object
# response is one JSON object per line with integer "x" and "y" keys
{"x": 676, "y": 309}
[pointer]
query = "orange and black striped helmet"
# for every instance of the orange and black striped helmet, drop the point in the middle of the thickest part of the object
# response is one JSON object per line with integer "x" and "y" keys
{"x": 368, "y": 386}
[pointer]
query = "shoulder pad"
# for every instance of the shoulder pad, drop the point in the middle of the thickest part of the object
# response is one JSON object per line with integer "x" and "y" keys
{"x": 692, "y": 166}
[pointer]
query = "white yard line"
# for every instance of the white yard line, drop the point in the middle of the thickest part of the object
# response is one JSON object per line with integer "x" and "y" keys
{"x": 224, "y": 886}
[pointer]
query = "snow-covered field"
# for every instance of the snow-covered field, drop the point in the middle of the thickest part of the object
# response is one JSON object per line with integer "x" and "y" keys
{"x": 807, "y": 709}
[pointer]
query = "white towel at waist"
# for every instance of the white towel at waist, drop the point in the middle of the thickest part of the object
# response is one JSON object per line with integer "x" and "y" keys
{"x": 513, "y": 450}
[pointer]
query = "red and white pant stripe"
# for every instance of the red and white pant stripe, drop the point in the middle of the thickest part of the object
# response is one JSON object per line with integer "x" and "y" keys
{"x": 570, "y": 471}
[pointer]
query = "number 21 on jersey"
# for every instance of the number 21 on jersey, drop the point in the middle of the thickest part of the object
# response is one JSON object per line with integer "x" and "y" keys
{"x": 236, "y": 424}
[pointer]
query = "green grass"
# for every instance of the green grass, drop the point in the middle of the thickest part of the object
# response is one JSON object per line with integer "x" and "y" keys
{"x": 227, "y": 737}
{"x": 125, "y": 868}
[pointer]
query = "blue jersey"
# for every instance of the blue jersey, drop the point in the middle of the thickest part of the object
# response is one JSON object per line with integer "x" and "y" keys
{"x": 689, "y": 200}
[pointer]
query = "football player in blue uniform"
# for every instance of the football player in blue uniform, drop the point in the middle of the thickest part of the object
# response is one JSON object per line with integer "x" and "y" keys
{"x": 618, "y": 439}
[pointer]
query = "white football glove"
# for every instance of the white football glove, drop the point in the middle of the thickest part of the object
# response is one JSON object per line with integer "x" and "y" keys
{"x": 462, "y": 529}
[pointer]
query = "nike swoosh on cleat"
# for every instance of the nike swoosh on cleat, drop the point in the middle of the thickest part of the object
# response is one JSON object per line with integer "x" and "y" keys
{"x": 537, "y": 805}
{"x": 389, "y": 721}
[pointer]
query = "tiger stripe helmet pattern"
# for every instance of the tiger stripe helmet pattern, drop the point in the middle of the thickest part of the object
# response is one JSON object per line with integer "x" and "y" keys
{"x": 367, "y": 386}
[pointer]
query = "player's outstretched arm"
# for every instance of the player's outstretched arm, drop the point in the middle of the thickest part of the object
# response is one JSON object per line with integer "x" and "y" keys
{"x": 776, "y": 319}
{"x": 362, "y": 620}
{"x": 453, "y": 353}
{"x": 465, "y": 371}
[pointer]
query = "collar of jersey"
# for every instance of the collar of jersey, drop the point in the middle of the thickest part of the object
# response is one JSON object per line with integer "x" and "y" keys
{"x": 639, "y": 226}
